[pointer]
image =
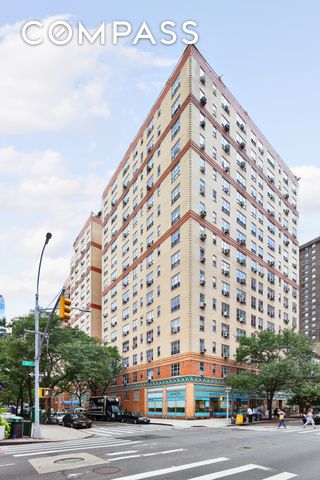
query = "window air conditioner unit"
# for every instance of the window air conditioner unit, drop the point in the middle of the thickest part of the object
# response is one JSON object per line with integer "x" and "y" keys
{"x": 226, "y": 127}
{"x": 203, "y": 305}
{"x": 202, "y": 123}
{"x": 203, "y": 236}
{"x": 203, "y": 100}
{"x": 203, "y": 350}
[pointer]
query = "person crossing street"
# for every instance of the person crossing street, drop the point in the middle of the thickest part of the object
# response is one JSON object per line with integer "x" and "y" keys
{"x": 309, "y": 419}
{"x": 281, "y": 416}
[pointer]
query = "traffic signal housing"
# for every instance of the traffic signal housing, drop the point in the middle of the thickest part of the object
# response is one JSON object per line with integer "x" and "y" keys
{"x": 65, "y": 308}
{"x": 45, "y": 392}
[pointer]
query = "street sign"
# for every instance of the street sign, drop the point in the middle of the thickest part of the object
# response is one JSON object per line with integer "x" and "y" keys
{"x": 27, "y": 363}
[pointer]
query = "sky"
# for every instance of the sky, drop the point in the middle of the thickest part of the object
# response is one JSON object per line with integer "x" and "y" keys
{"x": 62, "y": 108}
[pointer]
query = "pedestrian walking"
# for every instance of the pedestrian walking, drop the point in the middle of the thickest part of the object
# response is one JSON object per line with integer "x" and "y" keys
{"x": 255, "y": 414}
{"x": 281, "y": 416}
{"x": 249, "y": 414}
{"x": 309, "y": 419}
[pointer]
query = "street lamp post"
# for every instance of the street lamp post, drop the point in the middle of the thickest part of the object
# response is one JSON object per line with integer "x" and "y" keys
{"x": 37, "y": 336}
{"x": 228, "y": 390}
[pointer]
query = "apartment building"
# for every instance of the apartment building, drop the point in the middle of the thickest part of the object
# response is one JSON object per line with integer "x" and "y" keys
{"x": 199, "y": 246}
{"x": 84, "y": 283}
{"x": 310, "y": 290}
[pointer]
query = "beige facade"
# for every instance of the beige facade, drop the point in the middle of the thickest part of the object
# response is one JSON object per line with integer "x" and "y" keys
{"x": 199, "y": 240}
{"x": 85, "y": 278}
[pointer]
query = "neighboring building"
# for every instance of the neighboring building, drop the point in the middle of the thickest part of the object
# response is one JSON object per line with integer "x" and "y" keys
{"x": 310, "y": 289}
{"x": 2, "y": 308}
{"x": 84, "y": 283}
{"x": 199, "y": 246}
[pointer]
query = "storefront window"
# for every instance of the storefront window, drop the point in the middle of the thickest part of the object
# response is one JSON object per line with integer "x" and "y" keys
{"x": 155, "y": 397}
{"x": 176, "y": 402}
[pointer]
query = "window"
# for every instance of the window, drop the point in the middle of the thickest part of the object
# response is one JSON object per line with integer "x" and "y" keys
{"x": 175, "y": 86}
{"x": 175, "y": 282}
{"x": 175, "y": 347}
{"x": 225, "y": 206}
{"x": 175, "y": 325}
{"x": 175, "y": 215}
{"x": 201, "y": 323}
{"x": 175, "y": 238}
{"x": 175, "y": 173}
{"x": 175, "y": 259}
{"x": 175, "y": 107}
{"x": 241, "y": 219}
{"x": 175, "y": 303}
{"x": 175, "y": 129}
{"x": 175, "y": 369}
{"x": 175, "y": 194}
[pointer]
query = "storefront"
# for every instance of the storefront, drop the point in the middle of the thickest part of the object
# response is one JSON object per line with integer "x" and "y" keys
{"x": 155, "y": 401}
{"x": 211, "y": 401}
{"x": 176, "y": 401}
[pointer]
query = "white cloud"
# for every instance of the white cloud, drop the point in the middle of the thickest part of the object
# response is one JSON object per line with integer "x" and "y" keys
{"x": 309, "y": 201}
{"x": 37, "y": 200}
{"x": 50, "y": 88}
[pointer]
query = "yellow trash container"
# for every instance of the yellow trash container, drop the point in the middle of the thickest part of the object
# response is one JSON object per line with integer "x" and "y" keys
{"x": 239, "y": 419}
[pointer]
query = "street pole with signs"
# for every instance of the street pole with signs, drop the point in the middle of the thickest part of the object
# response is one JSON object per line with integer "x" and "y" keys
{"x": 37, "y": 353}
{"x": 228, "y": 390}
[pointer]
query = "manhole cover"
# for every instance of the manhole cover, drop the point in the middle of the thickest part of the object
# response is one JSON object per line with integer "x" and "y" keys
{"x": 69, "y": 461}
{"x": 106, "y": 470}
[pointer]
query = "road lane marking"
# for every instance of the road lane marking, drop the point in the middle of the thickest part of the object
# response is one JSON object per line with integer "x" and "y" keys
{"x": 73, "y": 449}
{"x": 282, "y": 476}
{"x": 6, "y": 464}
{"x": 163, "y": 471}
{"x": 124, "y": 458}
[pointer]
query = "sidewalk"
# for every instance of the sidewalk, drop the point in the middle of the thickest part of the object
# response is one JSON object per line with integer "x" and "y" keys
{"x": 51, "y": 433}
{"x": 210, "y": 422}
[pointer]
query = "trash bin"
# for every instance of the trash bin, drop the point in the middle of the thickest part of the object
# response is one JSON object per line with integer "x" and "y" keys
{"x": 42, "y": 414}
{"x": 27, "y": 428}
{"x": 239, "y": 419}
{"x": 16, "y": 426}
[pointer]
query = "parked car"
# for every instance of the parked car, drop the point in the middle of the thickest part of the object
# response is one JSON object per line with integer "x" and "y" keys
{"x": 134, "y": 417}
{"x": 50, "y": 419}
{"x": 82, "y": 411}
{"x": 59, "y": 416}
{"x": 76, "y": 420}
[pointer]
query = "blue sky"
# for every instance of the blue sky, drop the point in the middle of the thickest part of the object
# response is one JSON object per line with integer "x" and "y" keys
{"x": 61, "y": 108}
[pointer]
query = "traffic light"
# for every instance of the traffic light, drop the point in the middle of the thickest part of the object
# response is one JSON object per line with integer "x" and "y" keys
{"x": 45, "y": 392}
{"x": 65, "y": 308}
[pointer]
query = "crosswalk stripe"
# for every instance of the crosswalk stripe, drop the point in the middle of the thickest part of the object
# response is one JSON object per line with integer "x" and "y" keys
{"x": 72, "y": 449}
{"x": 122, "y": 453}
{"x": 231, "y": 471}
{"x": 282, "y": 476}
{"x": 25, "y": 448}
{"x": 163, "y": 471}
{"x": 153, "y": 454}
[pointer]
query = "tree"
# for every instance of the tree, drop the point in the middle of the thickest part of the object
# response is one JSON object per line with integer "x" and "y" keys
{"x": 283, "y": 361}
{"x": 69, "y": 356}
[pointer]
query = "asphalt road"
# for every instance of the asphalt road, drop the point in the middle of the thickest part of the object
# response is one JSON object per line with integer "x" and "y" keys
{"x": 134, "y": 452}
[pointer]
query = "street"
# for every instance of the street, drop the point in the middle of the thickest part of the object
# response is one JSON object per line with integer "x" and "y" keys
{"x": 133, "y": 452}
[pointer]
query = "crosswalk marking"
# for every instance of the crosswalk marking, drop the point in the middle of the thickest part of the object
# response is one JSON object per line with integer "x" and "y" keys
{"x": 230, "y": 471}
{"x": 164, "y": 471}
{"x": 72, "y": 449}
{"x": 48, "y": 446}
{"x": 153, "y": 454}
{"x": 122, "y": 453}
{"x": 122, "y": 430}
{"x": 282, "y": 476}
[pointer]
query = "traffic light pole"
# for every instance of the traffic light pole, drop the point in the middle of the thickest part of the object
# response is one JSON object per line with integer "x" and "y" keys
{"x": 37, "y": 336}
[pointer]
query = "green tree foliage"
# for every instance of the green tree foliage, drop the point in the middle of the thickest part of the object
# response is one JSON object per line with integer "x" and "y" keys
{"x": 277, "y": 362}
{"x": 70, "y": 356}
